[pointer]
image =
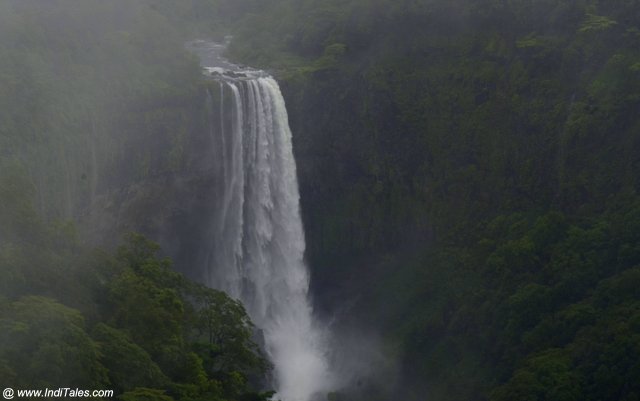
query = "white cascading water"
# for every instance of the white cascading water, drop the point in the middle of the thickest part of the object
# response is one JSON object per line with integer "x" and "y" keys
{"x": 258, "y": 245}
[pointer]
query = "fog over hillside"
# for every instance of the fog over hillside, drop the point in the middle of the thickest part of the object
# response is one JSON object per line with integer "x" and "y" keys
{"x": 236, "y": 200}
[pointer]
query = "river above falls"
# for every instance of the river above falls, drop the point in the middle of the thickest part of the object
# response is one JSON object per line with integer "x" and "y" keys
{"x": 216, "y": 66}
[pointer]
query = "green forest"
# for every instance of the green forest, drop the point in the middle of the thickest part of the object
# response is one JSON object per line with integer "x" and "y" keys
{"x": 469, "y": 174}
{"x": 115, "y": 73}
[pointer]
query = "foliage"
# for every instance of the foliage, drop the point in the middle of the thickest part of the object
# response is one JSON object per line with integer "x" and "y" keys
{"x": 126, "y": 322}
{"x": 225, "y": 333}
{"x": 83, "y": 84}
{"x": 153, "y": 317}
{"x": 128, "y": 365}
{"x": 596, "y": 23}
{"x": 96, "y": 95}
{"x": 145, "y": 394}
{"x": 45, "y": 344}
{"x": 468, "y": 170}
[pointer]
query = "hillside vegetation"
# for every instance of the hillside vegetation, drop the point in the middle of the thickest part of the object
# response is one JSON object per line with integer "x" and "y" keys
{"x": 470, "y": 174}
{"x": 92, "y": 94}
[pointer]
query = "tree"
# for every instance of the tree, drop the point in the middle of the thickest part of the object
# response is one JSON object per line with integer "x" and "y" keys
{"x": 128, "y": 365}
{"x": 225, "y": 333}
{"x": 44, "y": 344}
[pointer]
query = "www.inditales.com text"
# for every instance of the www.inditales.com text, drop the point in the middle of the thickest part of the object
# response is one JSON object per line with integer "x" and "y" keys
{"x": 62, "y": 392}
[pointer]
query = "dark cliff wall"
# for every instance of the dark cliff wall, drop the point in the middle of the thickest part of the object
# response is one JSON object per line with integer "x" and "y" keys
{"x": 468, "y": 181}
{"x": 173, "y": 200}
{"x": 110, "y": 118}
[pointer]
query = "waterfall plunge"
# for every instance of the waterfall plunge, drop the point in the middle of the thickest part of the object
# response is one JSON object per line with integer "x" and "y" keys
{"x": 258, "y": 245}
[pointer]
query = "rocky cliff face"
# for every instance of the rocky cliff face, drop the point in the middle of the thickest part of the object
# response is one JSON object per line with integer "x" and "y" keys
{"x": 171, "y": 210}
{"x": 161, "y": 186}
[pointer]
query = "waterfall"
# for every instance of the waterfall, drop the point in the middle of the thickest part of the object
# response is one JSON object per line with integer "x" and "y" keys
{"x": 258, "y": 241}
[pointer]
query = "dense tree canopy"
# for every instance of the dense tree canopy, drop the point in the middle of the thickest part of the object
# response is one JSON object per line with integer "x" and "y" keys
{"x": 132, "y": 325}
{"x": 468, "y": 169}
{"x": 83, "y": 84}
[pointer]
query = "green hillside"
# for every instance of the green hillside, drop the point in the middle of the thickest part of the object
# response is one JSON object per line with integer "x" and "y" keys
{"x": 92, "y": 94}
{"x": 469, "y": 173}
{"x": 469, "y": 176}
